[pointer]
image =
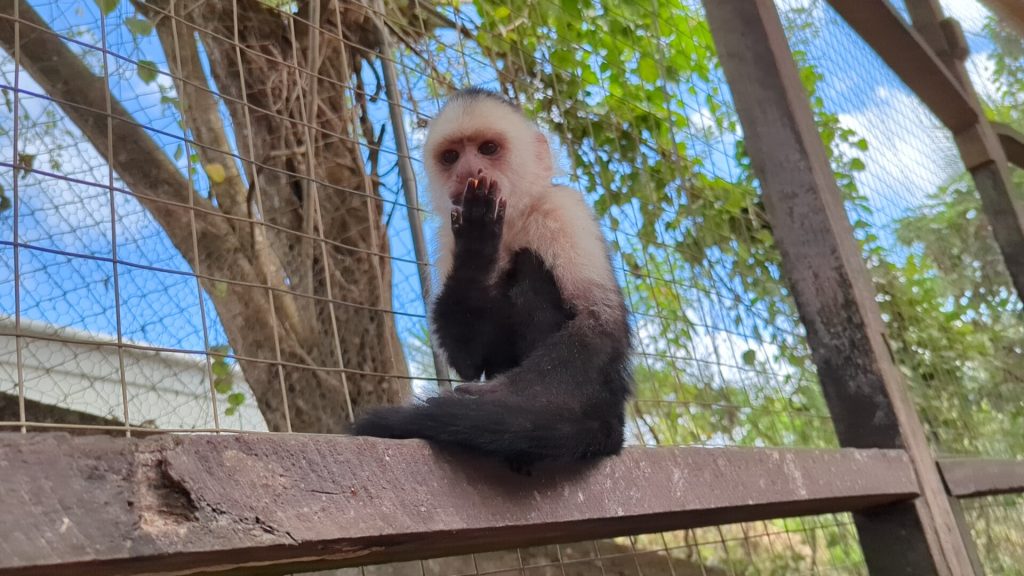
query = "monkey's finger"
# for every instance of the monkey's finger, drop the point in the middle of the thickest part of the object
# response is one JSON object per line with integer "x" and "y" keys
{"x": 456, "y": 219}
{"x": 499, "y": 217}
{"x": 481, "y": 189}
{"x": 492, "y": 198}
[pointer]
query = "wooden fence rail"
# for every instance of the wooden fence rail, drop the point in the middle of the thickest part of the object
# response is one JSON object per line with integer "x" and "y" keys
{"x": 275, "y": 504}
{"x": 278, "y": 503}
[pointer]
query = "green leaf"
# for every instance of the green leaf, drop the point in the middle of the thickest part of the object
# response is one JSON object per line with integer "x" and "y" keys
{"x": 648, "y": 70}
{"x": 230, "y": 410}
{"x": 147, "y": 71}
{"x": 749, "y": 357}
{"x": 222, "y": 385}
{"x": 236, "y": 399}
{"x": 25, "y": 163}
{"x": 563, "y": 59}
{"x": 857, "y": 164}
{"x": 5, "y": 202}
{"x": 107, "y": 6}
{"x": 220, "y": 368}
{"x": 139, "y": 26}
{"x": 571, "y": 8}
{"x": 502, "y": 12}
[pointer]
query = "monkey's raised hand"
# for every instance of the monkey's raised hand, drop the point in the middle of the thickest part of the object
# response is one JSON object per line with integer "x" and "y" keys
{"x": 477, "y": 222}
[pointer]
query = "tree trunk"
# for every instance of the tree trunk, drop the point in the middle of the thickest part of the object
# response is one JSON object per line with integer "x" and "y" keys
{"x": 297, "y": 268}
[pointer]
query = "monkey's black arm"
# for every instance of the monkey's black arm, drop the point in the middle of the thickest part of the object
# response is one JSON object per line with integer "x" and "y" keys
{"x": 470, "y": 312}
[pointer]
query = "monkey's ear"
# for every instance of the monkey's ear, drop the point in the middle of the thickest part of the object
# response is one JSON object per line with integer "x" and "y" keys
{"x": 543, "y": 152}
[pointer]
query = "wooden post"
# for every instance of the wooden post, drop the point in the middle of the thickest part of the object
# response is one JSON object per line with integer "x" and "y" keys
{"x": 832, "y": 288}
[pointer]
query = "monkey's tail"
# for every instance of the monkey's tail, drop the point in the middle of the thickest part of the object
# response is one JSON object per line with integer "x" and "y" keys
{"x": 498, "y": 426}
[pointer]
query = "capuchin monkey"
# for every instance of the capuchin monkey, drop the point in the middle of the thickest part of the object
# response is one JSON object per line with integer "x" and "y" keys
{"x": 529, "y": 300}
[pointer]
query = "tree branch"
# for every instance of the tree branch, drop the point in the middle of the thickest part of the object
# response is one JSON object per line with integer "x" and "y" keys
{"x": 198, "y": 106}
{"x": 116, "y": 136}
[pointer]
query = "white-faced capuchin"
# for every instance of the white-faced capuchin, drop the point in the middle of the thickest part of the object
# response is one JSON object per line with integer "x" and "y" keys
{"x": 529, "y": 299}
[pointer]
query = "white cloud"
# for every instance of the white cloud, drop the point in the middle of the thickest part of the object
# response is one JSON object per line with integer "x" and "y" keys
{"x": 981, "y": 70}
{"x": 909, "y": 152}
{"x": 970, "y": 13}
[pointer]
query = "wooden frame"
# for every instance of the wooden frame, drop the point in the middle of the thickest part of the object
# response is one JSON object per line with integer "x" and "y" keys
{"x": 274, "y": 504}
{"x": 279, "y": 503}
{"x": 975, "y": 477}
{"x": 1013, "y": 143}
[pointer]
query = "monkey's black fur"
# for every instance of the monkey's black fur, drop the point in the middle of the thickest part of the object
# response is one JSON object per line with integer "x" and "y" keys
{"x": 555, "y": 388}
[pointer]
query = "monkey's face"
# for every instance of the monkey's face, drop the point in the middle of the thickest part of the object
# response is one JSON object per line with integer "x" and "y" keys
{"x": 477, "y": 138}
{"x": 472, "y": 155}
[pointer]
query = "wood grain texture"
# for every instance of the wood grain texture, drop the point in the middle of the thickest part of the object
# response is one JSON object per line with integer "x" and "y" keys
{"x": 974, "y": 477}
{"x": 270, "y": 504}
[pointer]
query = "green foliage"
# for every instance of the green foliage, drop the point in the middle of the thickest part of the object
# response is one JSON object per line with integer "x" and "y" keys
{"x": 224, "y": 378}
{"x": 107, "y": 6}
{"x": 148, "y": 71}
{"x": 139, "y": 26}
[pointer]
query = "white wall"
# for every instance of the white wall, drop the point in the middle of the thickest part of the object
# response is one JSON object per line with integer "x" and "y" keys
{"x": 170, "y": 389}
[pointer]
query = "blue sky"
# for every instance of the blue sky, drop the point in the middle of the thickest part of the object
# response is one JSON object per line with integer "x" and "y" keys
{"x": 160, "y": 303}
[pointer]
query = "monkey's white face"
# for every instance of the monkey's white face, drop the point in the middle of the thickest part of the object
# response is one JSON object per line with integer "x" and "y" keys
{"x": 478, "y": 137}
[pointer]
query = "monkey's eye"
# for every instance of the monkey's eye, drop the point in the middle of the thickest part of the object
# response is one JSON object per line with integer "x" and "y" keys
{"x": 488, "y": 148}
{"x": 449, "y": 157}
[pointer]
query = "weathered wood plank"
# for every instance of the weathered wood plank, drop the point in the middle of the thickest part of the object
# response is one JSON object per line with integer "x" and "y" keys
{"x": 831, "y": 285}
{"x": 180, "y": 503}
{"x": 903, "y": 49}
{"x": 1013, "y": 143}
{"x": 974, "y": 477}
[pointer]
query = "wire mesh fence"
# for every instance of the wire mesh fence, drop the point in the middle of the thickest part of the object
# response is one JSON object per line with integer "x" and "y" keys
{"x": 995, "y": 524}
{"x": 945, "y": 292}
{"x": 204, "y": 227}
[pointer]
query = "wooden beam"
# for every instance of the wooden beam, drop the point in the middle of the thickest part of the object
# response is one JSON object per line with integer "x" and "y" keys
{"x": 903, "y": 49}
{"x": 974, "y": 477}
{"x": 832, "y": 288}
{"x": 92, "y": 505}
{"x": 1013, "y": 143}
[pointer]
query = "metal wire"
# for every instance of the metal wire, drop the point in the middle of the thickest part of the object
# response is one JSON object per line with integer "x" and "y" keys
{"x": 295, "y": 289}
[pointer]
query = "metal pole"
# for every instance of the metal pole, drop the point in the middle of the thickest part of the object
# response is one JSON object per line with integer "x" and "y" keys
{"x": 409, "y": 187}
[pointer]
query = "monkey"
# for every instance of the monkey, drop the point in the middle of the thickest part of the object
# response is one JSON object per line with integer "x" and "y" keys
{"x": 528, "y": 302}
